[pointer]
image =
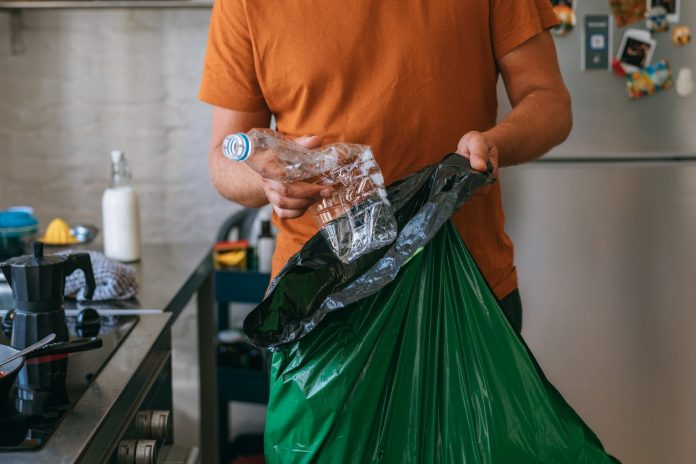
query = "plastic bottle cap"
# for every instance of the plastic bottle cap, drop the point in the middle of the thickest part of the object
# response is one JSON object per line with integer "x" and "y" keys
{"x": 117, "y": 156}
{"x": 236, "y": 147}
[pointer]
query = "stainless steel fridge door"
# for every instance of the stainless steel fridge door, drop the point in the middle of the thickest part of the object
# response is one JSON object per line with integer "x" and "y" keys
{"x": 607, "y": 265}
{"x": 607, "y": 122}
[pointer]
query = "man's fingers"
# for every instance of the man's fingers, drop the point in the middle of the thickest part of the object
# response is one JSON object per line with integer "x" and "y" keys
{"x": 309, "y": 141}
{"x": 290, "y": 200}
{"x": 288, "y": 213}
{"x": 475, "y": 147}
{"x": 479, "y": 162}
{"x": 299, "y": 190}
{"x": 492, "y": 161}
{"x": 478, "y": 150}
{"x": 289, "y": 203}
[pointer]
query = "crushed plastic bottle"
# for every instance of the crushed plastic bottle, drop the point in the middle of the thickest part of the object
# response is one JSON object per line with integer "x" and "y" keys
{"x": 358, "y": 217}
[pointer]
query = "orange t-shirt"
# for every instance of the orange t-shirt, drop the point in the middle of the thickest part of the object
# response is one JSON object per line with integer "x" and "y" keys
{"x": 407, "y": 77}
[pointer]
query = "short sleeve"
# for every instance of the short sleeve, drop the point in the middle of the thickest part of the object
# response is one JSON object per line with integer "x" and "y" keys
{"x": 229, "y": 75}
{"x": 514, "y": 22}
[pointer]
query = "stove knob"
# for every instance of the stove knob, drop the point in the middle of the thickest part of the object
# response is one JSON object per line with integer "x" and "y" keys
{"x": 7, "y": 323}
{"x": 161, "y": 425}
{"x": 125, "y": 454}
{"x": 143, "y": 421}
{"x": 146, "y": 452}
{"x": 88, "y": 323}
{"x": 153, "y": 424}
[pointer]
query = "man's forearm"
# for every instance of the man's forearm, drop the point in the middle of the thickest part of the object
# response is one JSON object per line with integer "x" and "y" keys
{"x": 541, "y": 117}
{"x": 540, "y": 121}
{"x": 236, "y": 181}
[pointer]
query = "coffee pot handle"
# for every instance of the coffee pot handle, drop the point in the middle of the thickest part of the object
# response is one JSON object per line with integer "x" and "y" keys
{"x": 83, "y": 262}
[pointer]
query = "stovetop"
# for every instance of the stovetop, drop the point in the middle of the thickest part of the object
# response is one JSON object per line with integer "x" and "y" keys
{"x": 48, "y": 387}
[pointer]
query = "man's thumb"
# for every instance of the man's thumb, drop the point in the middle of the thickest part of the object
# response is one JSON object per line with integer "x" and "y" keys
{"x": 309, "y": 141}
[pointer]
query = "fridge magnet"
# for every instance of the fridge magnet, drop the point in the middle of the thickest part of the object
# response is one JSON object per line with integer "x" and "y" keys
{"x": 566, "y": 16}
{"x": 618, "y": 68}
{"x": 671, "y": 6}
{"x": 627, "y": 12}
{"x": 645, "y": 82}
{"x": 681, "y": 35}
{"x": 636, "y": 49}
{"x": 685, "y": 82}
{"x": 656, "y": 19}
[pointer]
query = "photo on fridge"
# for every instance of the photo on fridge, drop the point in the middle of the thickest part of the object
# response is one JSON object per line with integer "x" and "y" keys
{"x": 636, "y": 50}
{"x": 671, "y": 6}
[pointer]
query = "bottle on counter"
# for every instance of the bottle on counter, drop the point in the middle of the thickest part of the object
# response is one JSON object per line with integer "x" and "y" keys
{"x": 265, "y": 245}
{"x": 235, "y": 351}
{"x": 121, "y": 213}
{"x": 358, "y": 217}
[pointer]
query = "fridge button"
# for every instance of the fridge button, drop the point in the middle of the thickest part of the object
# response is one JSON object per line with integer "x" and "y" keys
{"x": 597, "y": 42}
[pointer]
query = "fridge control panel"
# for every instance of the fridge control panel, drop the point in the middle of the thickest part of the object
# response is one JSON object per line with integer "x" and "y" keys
{"x": 596, "y": 43}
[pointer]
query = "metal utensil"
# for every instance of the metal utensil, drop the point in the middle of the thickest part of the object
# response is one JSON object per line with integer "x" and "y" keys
{"x": 40, "y": 344}
{"x": 71, "y": 346}
{"x": 9, "y": 373}
{"x": 31, "y": 348}
{"x": 84, "y": 233}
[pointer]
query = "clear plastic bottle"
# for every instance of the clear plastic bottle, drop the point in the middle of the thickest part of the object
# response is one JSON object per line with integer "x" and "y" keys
{"x": 358, "y": 217}
{"x": 121, "y": 213}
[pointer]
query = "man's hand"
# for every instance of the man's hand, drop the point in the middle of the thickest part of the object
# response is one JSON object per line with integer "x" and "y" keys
{"x": 479, "y": 150}
{"x": 290, "y": 200}
{"x": 241, "y": 184}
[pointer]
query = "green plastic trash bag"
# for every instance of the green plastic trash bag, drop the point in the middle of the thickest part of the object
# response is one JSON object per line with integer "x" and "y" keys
{"x": 422, "y": 367}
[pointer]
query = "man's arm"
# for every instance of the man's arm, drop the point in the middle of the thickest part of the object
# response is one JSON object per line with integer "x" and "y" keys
{"x": 235, "y": 181}
{"x": 241, "y": 184}
{"x": 541, "y": 117}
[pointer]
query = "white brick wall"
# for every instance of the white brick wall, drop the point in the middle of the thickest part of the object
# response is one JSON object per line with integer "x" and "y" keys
{"x": 91, "y": 81}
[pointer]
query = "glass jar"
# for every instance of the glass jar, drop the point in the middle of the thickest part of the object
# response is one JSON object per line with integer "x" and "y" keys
{"x": 18, "y": 228}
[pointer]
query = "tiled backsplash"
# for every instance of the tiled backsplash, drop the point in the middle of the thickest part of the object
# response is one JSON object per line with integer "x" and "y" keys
{"x": 92, "y": 81}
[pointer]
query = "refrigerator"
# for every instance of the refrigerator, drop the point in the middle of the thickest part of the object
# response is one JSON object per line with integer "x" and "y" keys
{"x": 604, "y": 229}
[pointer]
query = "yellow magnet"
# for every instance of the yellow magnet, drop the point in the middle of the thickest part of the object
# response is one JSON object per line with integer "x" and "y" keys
{"x": 566, "y": 17}
{"x": 681, "y": 35}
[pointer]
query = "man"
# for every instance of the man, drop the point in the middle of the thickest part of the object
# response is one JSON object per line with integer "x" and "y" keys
{"x": 414, "y": 79}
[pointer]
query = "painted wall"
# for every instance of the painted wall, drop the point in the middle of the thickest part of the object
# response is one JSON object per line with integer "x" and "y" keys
{"x": 93, "y": 81}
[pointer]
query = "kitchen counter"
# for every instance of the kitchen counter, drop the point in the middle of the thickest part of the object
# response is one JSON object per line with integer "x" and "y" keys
{"x": 169, "y": 276}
